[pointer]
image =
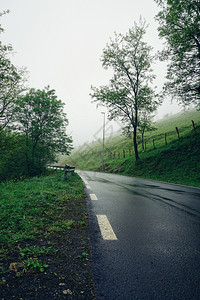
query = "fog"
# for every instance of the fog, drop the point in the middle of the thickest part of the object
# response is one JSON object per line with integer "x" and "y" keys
{"x": 61, "y": 42}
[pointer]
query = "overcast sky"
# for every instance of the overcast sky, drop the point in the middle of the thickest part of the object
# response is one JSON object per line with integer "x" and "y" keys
{"x": 60, "y": 42}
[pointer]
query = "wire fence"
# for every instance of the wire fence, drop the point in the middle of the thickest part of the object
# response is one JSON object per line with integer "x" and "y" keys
{"x": 149, "y": 143}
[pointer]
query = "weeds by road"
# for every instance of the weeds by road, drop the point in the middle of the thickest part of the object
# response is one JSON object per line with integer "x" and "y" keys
{"x": 45, "y": 250}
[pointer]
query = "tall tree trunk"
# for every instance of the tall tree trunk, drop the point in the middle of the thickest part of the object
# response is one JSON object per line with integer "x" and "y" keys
{"x": 135, "y": 124}
{"x": 143, "y": 141}
{"x": 135, "y": 143}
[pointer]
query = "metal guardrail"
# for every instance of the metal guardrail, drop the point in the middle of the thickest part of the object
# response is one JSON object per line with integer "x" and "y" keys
{"x": 66, "y": 169}
{"x": 55, "y": 167}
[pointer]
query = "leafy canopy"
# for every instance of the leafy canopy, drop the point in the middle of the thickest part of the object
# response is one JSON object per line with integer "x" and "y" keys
{"x": 129, "y": 91}
{"x": 41, "y": 118}
{"x": 11, "y": 84}
{"x": 32, "y": 125}
{"x": 179, "y": 24}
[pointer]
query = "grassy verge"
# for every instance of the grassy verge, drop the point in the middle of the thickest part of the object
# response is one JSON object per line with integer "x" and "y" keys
{"x": 177, "y": 163}
{"x": 44, "y": 239}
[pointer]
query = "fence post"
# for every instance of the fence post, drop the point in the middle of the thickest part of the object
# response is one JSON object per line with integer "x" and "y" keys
{"x": 145, "y": 146}
{"x": 124, "y": 155}
{"x": 193, "y": 125}
{"x": 177, "y": 131}
{"x": 165, "y": 139}
{"x": 154, "y": 144}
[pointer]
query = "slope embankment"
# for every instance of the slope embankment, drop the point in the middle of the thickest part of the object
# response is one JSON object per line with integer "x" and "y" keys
{"x": 171, "y": 153}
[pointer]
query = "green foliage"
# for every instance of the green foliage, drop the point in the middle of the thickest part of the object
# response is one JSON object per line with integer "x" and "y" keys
{"x": 42, "y": 123}
{"x": 69, "y": 224}
{"x": 36, "y": 119}
{"x": 83, "y": 256}
{"x": 11, "y": 84}
{"x": 30, "y": 207}
{"x": 81, "y": 223}
{"x": 129, "y": 93}
{"x": 61, "y": 225}
{"x": 34, "y": 265}
{"x": 177, "y": 162}
{"x": 34, "y": 251}
{"x": 179, "y": 25}
{"x": 12, "y": 156}
{"x": 28, "y": 210}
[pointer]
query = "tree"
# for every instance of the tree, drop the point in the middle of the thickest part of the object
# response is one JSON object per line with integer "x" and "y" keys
{"x": 12, "y": 155}
{"x": 11, "y": 84}
{"x": 179, "y": 24}
{"x": 41, "y": 119}
{"x": 129, "y": 92}
{"x": 145, "y": 125}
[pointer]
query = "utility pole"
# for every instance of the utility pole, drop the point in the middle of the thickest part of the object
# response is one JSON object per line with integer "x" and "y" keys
{"x": 103, "y": 139}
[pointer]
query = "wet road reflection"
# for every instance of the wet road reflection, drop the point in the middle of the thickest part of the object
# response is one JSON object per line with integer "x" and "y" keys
{"x": 157, "y": 254}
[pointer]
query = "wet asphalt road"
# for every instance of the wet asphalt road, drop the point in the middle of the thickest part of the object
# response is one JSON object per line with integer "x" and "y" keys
{"x": 157, "y": 251}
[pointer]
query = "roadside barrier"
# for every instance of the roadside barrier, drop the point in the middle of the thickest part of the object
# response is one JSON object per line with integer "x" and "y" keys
{"x": 67, "y": 169}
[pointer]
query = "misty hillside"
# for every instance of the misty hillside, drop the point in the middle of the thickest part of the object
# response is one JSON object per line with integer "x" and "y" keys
{"x": 168, "y": 155}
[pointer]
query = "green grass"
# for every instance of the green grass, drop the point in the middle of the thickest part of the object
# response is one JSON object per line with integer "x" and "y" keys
{"x": 177, "y": 162}
{"x": 32, "y": 207}
{"x": 44, "y": 238}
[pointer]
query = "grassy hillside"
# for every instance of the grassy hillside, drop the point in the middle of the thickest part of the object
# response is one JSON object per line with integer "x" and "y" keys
{"x": 169, "y": 158}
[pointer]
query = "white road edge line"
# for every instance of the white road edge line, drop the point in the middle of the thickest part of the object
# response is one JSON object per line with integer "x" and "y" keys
{"x": 85, "y": 181}
{"x": 93, "y": 197}
{"x": 105, "y": 228}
